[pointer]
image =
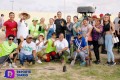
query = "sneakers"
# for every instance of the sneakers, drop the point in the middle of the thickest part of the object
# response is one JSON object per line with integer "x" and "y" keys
{"x": 97, "y": 62}
{"x": 13, "y": 65}
{"x": 5, "y": 64}
{"x": 83, "y": 63}
{"x": 39, "y": 61}
{"x": 111, "y": 63}
{"x": 10, "y": 65}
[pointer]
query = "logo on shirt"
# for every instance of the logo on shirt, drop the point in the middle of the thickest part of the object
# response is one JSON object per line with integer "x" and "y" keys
{"x": 9, "y": 73}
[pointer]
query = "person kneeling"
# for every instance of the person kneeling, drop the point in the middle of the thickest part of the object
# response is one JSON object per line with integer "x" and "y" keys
{"x": 9, "y": 52}
{"x": 62, "y": 50}
{"x": 27, "y": 50}
{"x": 50, "y": 49}
{"x": 80, "y": 49}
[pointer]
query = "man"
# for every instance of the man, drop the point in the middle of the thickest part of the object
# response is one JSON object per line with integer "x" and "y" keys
{"x": 23, "y": 29}
{"x": 76, "y": 26}
{"x": 116, "y": 26}
{"x": 69, "y": 29}
{"x": 1, "y": 20}
{"x": 60, "y": 24}
{"x": 10, "y": 26}
{"x": 62, "y": 49}
{"x": 27, "y": 50}
{"x": 34, "y": 29}
{"x": 8, "y": 52}
{"x": 80, "y": 48}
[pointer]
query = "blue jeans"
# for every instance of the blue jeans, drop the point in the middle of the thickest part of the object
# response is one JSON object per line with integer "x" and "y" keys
{"x": 109, "y": 46}
{"x": 24, "y": 57}
{"x": 68, "y": 38}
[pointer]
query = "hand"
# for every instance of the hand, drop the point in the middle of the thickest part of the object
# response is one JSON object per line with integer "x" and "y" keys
{"x": 11, "y": 55}
{"x": 60, "y": 52}
{"x": 62, "y": 23}
{"x": 78, "y": 50}
{"x": 14, "y": 29}
{"x": 21, "y": 38}
{"x": 71, "y": 42}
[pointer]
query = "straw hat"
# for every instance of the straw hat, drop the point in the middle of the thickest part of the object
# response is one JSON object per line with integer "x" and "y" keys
{"x": 24, "y": 13}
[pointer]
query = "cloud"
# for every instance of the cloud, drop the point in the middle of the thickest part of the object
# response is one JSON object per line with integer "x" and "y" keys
{"x": 103, "y": 6}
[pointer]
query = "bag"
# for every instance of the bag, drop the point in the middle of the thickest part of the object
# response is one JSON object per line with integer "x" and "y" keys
{"x": 115, "y": 39}
{"x": 101, "y": 40}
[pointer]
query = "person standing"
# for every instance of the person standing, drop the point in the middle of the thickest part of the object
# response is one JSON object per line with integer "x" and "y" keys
{"x": 60, "y": 24}
{"x": 76, "y": 26}
{"x": 51, "y": 28}
{"x": 101, "y": 18}
{"x": 42, "y": 25}
{"x": 34, "y": 29}
{"x": 23, "y": 29}
{"x": 1, "y": 20}
{"x": 69, "y": 30}
{"x": 96, "y": 34}
{"x": 109, "y": 30}
{"x": 116, "y": 26}
{"x": 10, "y": 26}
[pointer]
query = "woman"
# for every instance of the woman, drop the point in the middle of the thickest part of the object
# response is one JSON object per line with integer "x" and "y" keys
{"x": 40, "y": 47}
{"x": 50, "y": 49}
{"x": 51, "y": 28}
{"x": 69, "y": 29}
{"x": 86, "y": 30}
{"x": 96, "y": 33}
{"x": 108, "y": 28}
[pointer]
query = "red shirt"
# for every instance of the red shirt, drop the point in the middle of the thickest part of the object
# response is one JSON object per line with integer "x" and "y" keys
{"x": 10, "y": 25}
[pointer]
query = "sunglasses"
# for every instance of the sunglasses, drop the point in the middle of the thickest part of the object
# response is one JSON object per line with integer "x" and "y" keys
{"x": 10, "y": 39}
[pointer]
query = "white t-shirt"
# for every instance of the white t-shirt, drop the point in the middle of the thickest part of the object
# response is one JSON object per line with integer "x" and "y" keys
{"x": 61, "y": 44}
{"x": 27, "y": 49}
{"x": 116, "y": 23}
{"x": 53, "y": 26}
{"x": 23, "y": 29}
{"x": 40, "y": 46}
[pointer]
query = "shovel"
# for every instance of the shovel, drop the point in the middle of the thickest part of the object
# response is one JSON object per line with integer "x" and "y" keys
{"x": 73, "y": 61}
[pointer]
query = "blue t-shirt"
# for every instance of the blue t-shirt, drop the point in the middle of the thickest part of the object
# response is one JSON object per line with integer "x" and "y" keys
{"x": 81, "y": 43}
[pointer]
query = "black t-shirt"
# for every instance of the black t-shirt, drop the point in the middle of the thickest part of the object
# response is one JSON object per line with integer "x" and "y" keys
{"x": 59, "y": 27}
{"x": 119, "y": 22}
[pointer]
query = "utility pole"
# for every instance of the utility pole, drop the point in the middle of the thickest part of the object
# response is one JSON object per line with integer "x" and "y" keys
{"x": 12, "y": 1}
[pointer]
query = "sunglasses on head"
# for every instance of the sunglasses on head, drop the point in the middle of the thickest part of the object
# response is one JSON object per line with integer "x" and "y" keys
{"x": 10, "y": 39}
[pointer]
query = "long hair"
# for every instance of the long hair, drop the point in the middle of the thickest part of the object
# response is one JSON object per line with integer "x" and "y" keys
{"x": 108, "y": 20}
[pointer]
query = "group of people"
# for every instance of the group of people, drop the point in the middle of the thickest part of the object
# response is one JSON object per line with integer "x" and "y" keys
{"x": 65, "y": 40}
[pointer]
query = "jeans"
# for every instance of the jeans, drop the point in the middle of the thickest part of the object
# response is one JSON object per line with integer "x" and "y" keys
{"x": 68, "y": 37}
{"x": 96, "y": 50}
{"x": 109, "y": 47}
{"x": 82, "y": 55}
{"x": 24, "y": 57}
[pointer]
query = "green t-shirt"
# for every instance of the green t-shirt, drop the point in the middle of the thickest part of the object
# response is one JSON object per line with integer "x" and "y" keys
{"x": 76, "y": 25}
{"x": 34, "y": 30}
{"x": 6, "y": 49}
{"x": 42, "y": 28}
{"x": 49, "y": 47}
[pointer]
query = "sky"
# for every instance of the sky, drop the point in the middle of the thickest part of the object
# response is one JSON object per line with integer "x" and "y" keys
{"x": 68, "y": 6}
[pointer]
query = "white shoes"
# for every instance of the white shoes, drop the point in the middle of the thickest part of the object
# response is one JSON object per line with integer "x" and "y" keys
{"x": 39, "y": 61}
{"x": 5, "y": 64}
{"x": 13, "y": 65}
